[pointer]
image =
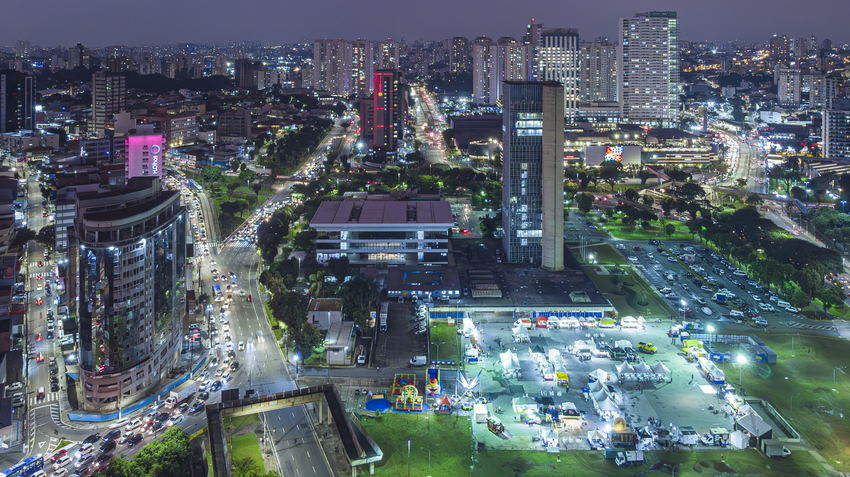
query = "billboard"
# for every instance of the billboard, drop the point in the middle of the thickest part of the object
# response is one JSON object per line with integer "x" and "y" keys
{"x": 626, "y": 155}
{"x": 145, "y": 155}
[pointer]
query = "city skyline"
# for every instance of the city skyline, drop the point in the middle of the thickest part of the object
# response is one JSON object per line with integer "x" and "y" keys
{"x": 285, "y": 24}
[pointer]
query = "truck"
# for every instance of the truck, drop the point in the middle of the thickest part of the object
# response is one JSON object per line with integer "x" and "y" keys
{"x": 647, "y": 348}
{"x": 421, "y": 360}
{"x": 629, "y": 458}
{"x": 180, "y": 393}
{"x": 774, "y": 448}
{"x": 688, "y": 436}
{"x": 719, "y": 298}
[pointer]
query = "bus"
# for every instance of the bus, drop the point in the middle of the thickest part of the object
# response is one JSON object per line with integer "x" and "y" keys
{"x": 383, "y": 315}
{"x": 217, "y": 295}
{"x": 28, "y": 466}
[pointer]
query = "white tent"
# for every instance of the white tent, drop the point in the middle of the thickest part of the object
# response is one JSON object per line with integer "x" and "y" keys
{"x": 642, "y": 368}
{"x": 509, "y": 360}
{"x": 623, "y": 343}
{"x": 569, "y": 322}
{"x": 600, "y": 395}
{"x": 579, "y": 344}
{"x": 625, "y": 368}
{"x": 600, "y": 375}
{"x": 739, "y": 440}
{"x": 659, "y": 368}
{"x": 608, "y": 405}
{"x": 629, "y": 322}
{"x": 596, "y": 386}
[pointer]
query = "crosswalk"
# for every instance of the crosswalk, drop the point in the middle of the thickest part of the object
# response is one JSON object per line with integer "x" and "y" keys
{"x": 240, "y": 245}
{"x": 48, "y": 397}
{"x": 55, "y": 414}
{"x": 804, "y": 326}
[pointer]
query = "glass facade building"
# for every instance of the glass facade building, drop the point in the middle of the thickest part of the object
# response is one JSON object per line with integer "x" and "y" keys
{"x": 533, "y": 166}
{"x": 132, "y": 298}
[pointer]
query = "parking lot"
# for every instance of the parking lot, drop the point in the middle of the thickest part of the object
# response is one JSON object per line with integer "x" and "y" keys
{"x": 396, "y": 346}
{"x": 658, "y": 268}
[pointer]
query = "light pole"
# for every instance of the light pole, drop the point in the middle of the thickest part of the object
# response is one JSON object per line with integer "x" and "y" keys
{"x": 438, "y": 348}
{"x": 842, "y": 205}
{"x": 296, "y": 366}
{"x": 683, "y": 309}
{"x": 742, "y": 360}
{"x": 408, "y": 457}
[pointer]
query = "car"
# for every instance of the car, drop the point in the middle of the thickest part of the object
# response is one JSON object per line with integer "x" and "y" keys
{"x": 249, "y": 297}
{"x": 126, "y": 436}
{"x": 92, "y": 438}
{"x": 791, "y": 309}
{"x": 198, "y": 406}
{"x": 175, "y": 420}
{"x": 16, "y": 386}
{"x": 108, "y": 447}
{"x": 223, "y": 278}
{"x": 58, "y": 454}
{"x": 671, "y": 259}
{"x": 203, "y": 396}
{"x": 135, "y": 440}
{"x": 766, "y": 307}
{"x": 225, "y": 377}
{"x": 84, "y": 460}
{"x": 54, "y": 387}
{"x": 39, "y": 394}
{"x": 216, "y": 385}
{"x": 214, "y": 362}
{"x": 241, "y": 292}
{"x": 61, "y": 462}
{"x": 241, "y": 346}
{"x": 156, "y": 427}
{"x": 183, "y": 407}
{"x": 112, "y": 435}
{"x": 60, "y": 472}
{"x": 234, "y": 366}
{"x": 135, "y": 423}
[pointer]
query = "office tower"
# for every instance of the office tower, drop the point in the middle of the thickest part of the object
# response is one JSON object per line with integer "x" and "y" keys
{"x": 388, "y": 53}
{"x": 78, "y": 56}
{"x": 836, "y": 130}
{"x": 235, "y": 123}
{"x": 130, "y": 257}
{"x": 789, "y": 83}
{"x": 648, "y": 83}
{"x": 532, "y": 33}
{"x": 390, "y": 112}
{"x": 332, "y": 66}
{"x": 780, "y": 48}
{"x": 307, "y": 75}
{"x": 559, "y": 61}
{"x": 145, "y": 152}
{"x": 598, "y": 71}
{"x": 17, "y": 101}
{"x": 509, "y": 63}
{"x": 481, "y": 70}
{"x": 533, "y": 166}
{"x": 458, "y": 54}
{"x": 815, "y": 83}
{"x": 799, "y": 48}
{"x": 362, "y": 67}
{"x": 23, "y": 48}
{"x": 109, "y": 97}
{"x": 814, "y": 47}
{"x": 245, "y": 72}
{"x": 836, "y": 89}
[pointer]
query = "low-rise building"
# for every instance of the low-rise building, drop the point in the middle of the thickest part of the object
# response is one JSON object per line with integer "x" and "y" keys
{"x": 339, "y": 343}
{"x": 323, "y": 312}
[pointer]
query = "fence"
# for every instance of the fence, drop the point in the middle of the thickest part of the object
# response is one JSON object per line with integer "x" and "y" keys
{"x": 79, "y": 417}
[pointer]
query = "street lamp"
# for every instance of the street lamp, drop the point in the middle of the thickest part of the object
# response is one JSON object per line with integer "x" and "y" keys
{"x": 296, "y": 365}
{"x": 842, "y": 205}
{"x": 683, "y": 309}
{"x": 742, "y": 360}
{"x": 438, "y": 348}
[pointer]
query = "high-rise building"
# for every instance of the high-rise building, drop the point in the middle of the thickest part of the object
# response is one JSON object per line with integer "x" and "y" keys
{"x": 836, "y": 130}
{"x": 245, "y": 72}
{"x": 509, "y": 63}
{"x": 780, "y": 48}
{"x": 598, "y": 71}
{"x": 559, "y": 61}
{"x": 533, "y": 166}
{"x": 23, "y": 48}
{"x": 17, "y": 101}
{"x": 532, "y": 33}
{"x": 145, "y": 152}
{"x": 390, "y": 112}
{"x": 235, "y": 123}
{"x": 127, "y": 251}
{"x": 109, "y": 97}
{"x": 362, "y": 67}
{"x": 388, "y": 54}
{"x": 799, "y": 48}
{"x": 78, "y": 56}
{"x": 458, "y": 54}
{"x": 481, "y": 70}
{"x": 789, "y": 83}
{"x": 815, "y": 83}
{"x": 332, "y": 66}
{"x": 836, "y": 89}
{"x": 648, "y": 83}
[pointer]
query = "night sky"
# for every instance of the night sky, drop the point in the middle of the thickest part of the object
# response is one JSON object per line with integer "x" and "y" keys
{"x": 98, "y": 23}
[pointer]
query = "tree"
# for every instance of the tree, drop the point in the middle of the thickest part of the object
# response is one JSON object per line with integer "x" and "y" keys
{"x": 234, "y": 165}
{"x": 210, "y": 174}
{"x": 742, "y": 183}
{"x": 46, "y": 236}
{"x": 232, "y": 186}
{"x": 169, "y": 456}
{"x": 304, "y": 240}
{"x": 830, "y": 297}
{"x": 317, "y": 284}
{"x": 339, "y": 268}
{"x": 584, "y": 201}
{"x": 257, "y": 187}
{"x": 809, "y": 280}
{"x": 644, "y": 176}
{"x": 22, "y": 236}
{"x": 631, "y": 194}
{"x": 648, "y": 200}
{"x": 669, "y": 229}
{"x": 246, "y": 175}
{"x": 755, "y": 200}
{"x": 800, "y": 300}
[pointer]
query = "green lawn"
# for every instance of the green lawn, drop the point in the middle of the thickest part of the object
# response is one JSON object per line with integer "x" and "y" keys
{"x": 656, "y": 231}
{"x": 449, "y": 442}
{"x": 440, "y": 333}
{"x": 241, "y": 421}
{"x": 626, "y": 299}
{"x": 246, "y": 446}
{"x": 800, "y": 385}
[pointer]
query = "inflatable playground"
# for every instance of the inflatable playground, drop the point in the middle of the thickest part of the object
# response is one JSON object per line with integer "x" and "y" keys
{"x": 433, "y": 384}
{"x": 404, "y": 396}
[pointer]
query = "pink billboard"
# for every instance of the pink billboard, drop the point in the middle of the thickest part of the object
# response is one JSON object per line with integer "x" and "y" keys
{"x": 145, "y": 155}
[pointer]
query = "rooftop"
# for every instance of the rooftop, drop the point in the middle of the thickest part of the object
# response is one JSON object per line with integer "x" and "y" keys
{"x": 324, "y": 304}
{"x": 339, "y": 334}
{"x": 372, "y": 212}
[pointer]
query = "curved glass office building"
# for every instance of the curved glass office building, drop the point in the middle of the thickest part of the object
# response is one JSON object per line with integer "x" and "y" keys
{"x": 132, "y": 298}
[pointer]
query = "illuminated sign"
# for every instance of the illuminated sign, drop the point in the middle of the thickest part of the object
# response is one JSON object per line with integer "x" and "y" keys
{"x": 155, "y": 150}
{"x": 614, "y": 153}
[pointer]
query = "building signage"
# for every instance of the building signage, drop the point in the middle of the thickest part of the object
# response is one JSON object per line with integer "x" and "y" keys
{"x": 155, "y": 150}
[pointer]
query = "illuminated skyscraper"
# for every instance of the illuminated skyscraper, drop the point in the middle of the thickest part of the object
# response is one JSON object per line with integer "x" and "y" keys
{"x": 362, "y": 68}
